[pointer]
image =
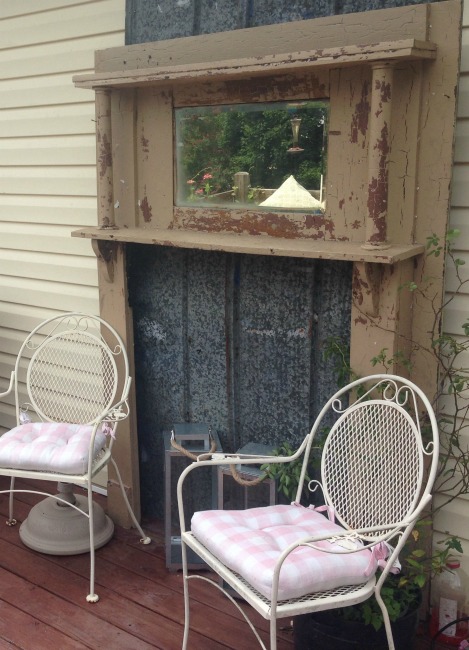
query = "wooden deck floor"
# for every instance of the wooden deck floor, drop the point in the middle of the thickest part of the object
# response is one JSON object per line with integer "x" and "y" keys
{"x": 43, "y": 606}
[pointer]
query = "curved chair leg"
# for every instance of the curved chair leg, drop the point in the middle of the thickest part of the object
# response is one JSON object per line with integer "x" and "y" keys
{"x": 186, "y": 613}
{"x": 11, "y": 521}
{"x": 273, "y": 633}
{"x": 143, "y": 538}
{"x": 92, "y": 596}
{"x": 387, "y": 622}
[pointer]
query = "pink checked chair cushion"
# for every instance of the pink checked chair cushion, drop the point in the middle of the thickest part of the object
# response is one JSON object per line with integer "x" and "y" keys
{"x": 49, "y": 446}
{"x": 250, "y": 541}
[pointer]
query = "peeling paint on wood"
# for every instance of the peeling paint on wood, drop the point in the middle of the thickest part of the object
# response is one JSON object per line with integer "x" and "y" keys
{"x": 104, "y": 154}
{"x": 379, "y": 150}
{"x": 145, "y": 209}
{"x": 360, "y": 116}
{"x": 273, "y": 224}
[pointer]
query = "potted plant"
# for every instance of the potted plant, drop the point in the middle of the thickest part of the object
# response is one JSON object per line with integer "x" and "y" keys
{"x": 361, "y": 626}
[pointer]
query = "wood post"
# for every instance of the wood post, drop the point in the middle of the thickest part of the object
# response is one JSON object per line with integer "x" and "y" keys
{"x": 241, "y": 184}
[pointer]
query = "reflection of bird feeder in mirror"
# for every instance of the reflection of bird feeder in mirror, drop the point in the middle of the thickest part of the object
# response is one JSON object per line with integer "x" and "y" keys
{"x": 295, "y": 127}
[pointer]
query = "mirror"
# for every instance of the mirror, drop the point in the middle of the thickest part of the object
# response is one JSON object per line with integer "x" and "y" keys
{"x": 260, "y": 156}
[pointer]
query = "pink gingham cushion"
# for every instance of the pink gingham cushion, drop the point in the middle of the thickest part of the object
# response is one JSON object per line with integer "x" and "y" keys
{"x": 49, "y": 446}
{"x": 250, "y": 541}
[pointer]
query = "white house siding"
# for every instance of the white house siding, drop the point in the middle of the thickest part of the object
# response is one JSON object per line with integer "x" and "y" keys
{"x": 454, "y": 518}
{"x": 47, "y": 163}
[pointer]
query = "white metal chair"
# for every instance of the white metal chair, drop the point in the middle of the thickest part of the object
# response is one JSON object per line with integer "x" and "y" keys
{"x": 75, "y": 372}
{"x": 376, "y": 476}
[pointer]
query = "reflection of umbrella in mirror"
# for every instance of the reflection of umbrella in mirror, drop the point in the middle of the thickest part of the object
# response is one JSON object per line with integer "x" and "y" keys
{"x": 293, "y": 196}
{"x": 295, "y": 127}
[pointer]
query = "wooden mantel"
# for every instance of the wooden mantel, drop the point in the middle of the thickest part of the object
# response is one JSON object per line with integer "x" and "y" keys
{"x": 390, "y": 77}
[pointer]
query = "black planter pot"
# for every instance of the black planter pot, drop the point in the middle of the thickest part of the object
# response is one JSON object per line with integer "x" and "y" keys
{"x": 326, "y": 630}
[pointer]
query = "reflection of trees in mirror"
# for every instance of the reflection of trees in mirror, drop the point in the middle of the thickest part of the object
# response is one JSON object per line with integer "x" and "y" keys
{"x": 249, "y": 138}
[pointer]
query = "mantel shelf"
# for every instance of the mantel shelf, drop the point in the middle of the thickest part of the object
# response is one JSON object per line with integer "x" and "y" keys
{"x": 257, "y": 245}
{"x": 407, "y": 49}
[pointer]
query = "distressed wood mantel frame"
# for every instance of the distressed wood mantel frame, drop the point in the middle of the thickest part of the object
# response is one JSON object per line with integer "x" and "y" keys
{"x": 391, "y": 79}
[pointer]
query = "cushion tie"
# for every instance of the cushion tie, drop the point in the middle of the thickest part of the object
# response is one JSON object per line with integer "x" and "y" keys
{"x": 329, "y": 509}
{"x": 379, "y": 554}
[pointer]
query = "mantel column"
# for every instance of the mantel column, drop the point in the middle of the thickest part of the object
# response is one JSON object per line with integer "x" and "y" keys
{"x": 378, "y": 156}
{"x": 104, "y": 159}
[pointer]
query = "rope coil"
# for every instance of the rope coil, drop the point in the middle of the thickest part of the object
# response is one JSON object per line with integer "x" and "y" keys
{"x": 213, "y": 447}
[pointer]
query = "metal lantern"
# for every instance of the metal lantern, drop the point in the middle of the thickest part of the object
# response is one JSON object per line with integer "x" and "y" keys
{"x": 193, "y": 439}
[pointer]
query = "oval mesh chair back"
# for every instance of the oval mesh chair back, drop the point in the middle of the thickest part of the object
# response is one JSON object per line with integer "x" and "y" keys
{"x": 372, "y": 466}
{"x": 72, "y": 375}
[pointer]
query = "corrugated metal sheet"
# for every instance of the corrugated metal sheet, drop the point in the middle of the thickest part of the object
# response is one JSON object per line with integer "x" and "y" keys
{"x": 47, "y": 160}
{"x": 232, "y": 340}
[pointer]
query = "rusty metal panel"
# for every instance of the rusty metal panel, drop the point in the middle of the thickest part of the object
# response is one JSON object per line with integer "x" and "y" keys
{"x": 232, "y": 340}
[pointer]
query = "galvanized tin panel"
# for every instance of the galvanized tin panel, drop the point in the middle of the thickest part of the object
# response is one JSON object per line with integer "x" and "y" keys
{"x": 235, "y": 341}
{"x": 166, "y": 19}
{"x": 275, "y": 318}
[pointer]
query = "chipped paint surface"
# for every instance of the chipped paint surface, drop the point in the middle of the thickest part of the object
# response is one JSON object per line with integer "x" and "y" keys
{"x": 384, "y": 89}
{"x": 145, "y": 144}
{"x": 104, "y": 154}
{"x": 360, "y": 116}
{"x": 274, "y": 224}
{"x": 145, "y": 209}
{"x": 104, "y": 160}
{"x": 379, "y": 149}
{"x": 377, "y": 203}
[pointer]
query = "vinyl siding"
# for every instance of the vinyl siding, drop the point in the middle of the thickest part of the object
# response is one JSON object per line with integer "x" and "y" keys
{"x": 47, "y": 161}
{"x": 454, "y": 518}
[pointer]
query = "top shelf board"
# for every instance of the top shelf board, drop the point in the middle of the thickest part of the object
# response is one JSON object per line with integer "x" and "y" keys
{"x": 386, "y": 52}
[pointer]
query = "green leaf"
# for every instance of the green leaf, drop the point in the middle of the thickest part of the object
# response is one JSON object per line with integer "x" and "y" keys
{"x": 420, "y": 581}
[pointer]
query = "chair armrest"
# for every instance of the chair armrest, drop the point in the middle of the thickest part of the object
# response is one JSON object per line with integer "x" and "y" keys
{"x": 217, "y": 459}
{"x": 221, "y": 458}
{"x": 10, "y": 387}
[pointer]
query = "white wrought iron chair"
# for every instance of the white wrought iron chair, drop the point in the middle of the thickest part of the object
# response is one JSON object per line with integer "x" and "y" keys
{"x": 377, "y": 472}
{"x": 75, "y": 372}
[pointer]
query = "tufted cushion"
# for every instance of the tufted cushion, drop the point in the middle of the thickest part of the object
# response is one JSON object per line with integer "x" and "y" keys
{"x": 250, "y": 541}
{"x": 49, "y": 446}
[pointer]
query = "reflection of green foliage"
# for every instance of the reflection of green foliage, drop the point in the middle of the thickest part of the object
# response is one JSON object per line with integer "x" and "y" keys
{"x": 256, "y": 142}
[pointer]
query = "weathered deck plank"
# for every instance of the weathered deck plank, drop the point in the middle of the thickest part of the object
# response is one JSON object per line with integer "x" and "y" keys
{"x": 43, "y": 606}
